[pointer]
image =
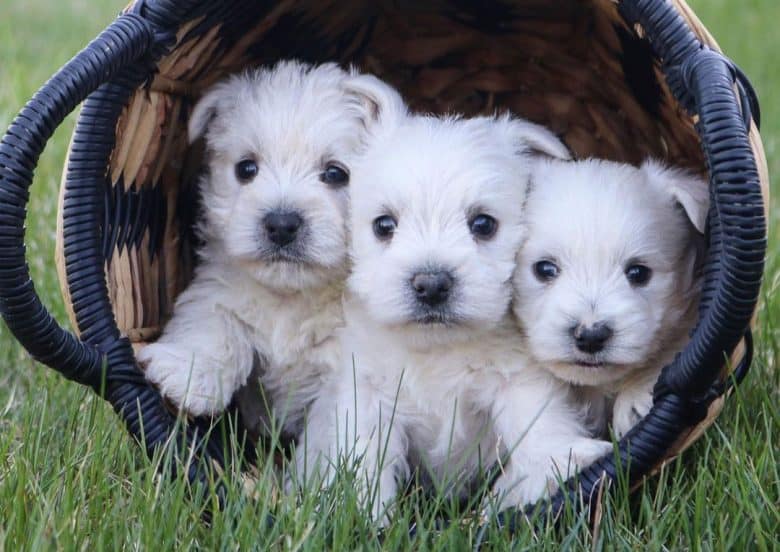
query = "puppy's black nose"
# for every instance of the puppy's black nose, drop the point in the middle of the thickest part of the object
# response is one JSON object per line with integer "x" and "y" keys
{"x": 591, "y": 339}
{"x": 432, "y": 288}
{"x": 282, "y": 227}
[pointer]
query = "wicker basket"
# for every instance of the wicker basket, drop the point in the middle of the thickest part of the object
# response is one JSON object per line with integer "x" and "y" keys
{"x": 615, "y": 79}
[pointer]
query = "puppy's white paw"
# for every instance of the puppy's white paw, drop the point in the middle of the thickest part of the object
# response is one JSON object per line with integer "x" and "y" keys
{"x": 187, "y": 384}
{"x": 513, "y": 490}
{"x": 532, "y": 482}
{"x": 631, "y": 405}
{"x": 585, "y": 451}
{"x": 382, "y": 499}
{"x": 581, "y": 453}
{"x": 310, "y": 469}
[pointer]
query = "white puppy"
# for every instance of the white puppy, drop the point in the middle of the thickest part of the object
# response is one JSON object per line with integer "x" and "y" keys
{"x": 607, "y": 283}
{"x": 438, "y": 377}
{"x": 269, "y": 284}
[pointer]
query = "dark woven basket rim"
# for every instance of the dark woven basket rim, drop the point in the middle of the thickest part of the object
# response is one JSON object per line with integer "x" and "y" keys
{"x": 123, "y": 58}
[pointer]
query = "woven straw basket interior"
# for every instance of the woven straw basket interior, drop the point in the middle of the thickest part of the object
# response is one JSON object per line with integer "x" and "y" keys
{"x": 572, "y": 65}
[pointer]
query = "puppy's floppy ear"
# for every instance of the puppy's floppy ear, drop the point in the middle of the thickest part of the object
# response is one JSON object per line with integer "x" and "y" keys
{"x": 535, "y": 139}
{"x": 690, "y": 191}
{"x": 204, "y": 112}
{"x": 376, "y": 101}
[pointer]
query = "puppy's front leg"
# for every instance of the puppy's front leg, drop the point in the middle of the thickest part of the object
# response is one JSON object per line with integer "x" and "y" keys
{"x": 545, "y": 439}
{"x": 351, "y": 426}
{"x": 633, "y": 401}
{"x": 384, "y": 462}
{"x": 203, "y": 356}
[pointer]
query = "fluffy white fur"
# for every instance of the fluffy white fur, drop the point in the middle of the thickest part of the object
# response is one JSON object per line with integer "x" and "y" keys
{"x": 454, "y": 394}
{"x": 251, "y": 302}
{"x": 593, "y": 219}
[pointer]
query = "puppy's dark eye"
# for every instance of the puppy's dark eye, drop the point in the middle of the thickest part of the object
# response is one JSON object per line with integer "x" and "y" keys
{"x": 335, "y": 175}
{"x": 638, "y": 275}
{"x": 246, "y": 170}
{"x": 546, "y": 271}
{"x": 384, "y": 227}
{"x": 483, "y": 227}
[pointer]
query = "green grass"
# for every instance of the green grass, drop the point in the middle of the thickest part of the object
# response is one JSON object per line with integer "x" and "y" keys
{"x": 70, "y": 478}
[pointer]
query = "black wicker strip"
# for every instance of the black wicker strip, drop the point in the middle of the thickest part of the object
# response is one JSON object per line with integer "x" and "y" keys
{"x": 167, "y": 14}
{"x": 125, "y": 40}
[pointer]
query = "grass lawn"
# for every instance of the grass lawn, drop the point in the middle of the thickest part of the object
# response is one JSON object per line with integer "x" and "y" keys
{"x": 70, "y": 478}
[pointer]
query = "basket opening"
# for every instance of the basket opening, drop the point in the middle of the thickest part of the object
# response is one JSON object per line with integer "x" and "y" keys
{"x": 572, "y": 65}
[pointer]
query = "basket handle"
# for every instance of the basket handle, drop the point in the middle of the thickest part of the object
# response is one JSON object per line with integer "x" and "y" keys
{"x": 135, "y": 39}
{"x": 128, "y": 39}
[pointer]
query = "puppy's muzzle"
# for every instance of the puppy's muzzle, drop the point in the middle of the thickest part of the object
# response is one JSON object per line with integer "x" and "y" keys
{"x": 282, "y": 227}
{"x": 592, "y": 339}
{"x": 432, "y": 288}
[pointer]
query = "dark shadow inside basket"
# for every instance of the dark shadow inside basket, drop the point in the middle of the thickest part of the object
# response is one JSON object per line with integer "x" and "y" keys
{"x": 572, "y": 65}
